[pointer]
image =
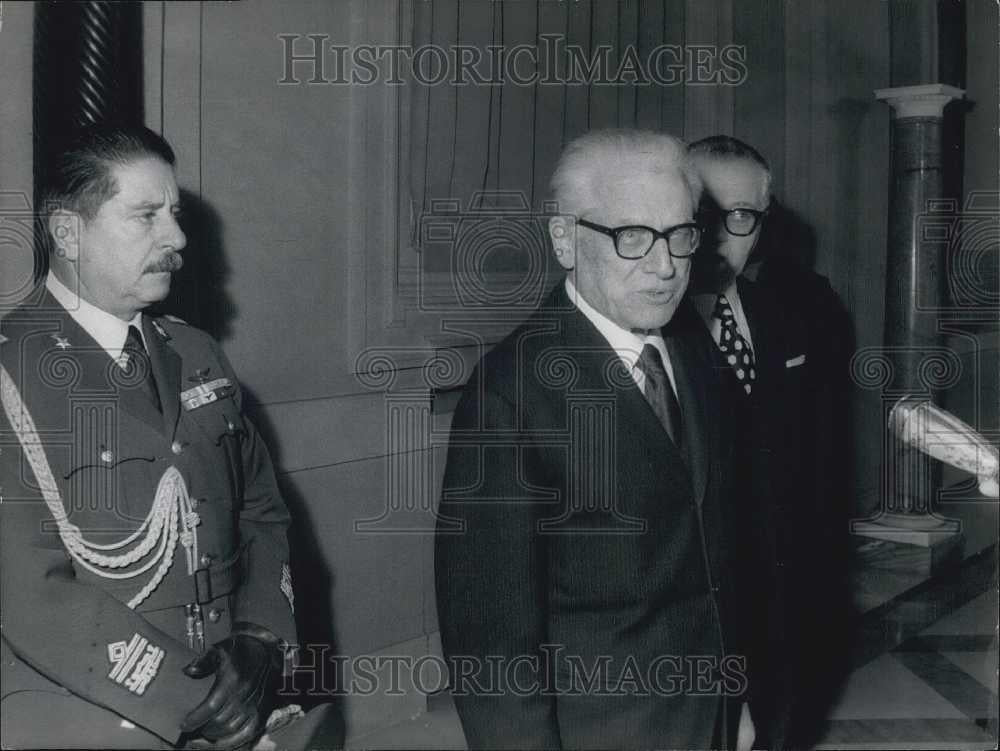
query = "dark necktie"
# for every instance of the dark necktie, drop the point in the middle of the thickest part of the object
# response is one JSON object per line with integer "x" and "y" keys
{"x": 734, "y": 347}
{"x": 660, "y": 394}
{"x": 139, "y": 358}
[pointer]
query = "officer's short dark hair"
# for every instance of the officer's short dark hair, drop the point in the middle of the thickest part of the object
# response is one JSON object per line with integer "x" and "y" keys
{"x": 79, "y": 176}
{"x": 727, "y": 147}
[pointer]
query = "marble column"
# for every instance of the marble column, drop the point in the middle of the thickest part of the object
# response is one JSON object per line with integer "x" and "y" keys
{"x": 915, "y": 277}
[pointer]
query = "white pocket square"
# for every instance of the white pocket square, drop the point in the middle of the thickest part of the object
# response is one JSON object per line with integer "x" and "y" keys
{"x": 795, "y": 361}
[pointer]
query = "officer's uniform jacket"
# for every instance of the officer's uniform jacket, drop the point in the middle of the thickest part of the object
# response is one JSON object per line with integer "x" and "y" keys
{"x": 69, "y": 632}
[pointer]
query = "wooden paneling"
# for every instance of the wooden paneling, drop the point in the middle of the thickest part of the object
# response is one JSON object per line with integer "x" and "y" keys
{"x": 16, "y": 181}
{"x": 914, "y": 42}
{"x": 759, "y": 102}
{"x": 377, "y": 582}
{"x": 550, "y": 106}
{"x": 708, "y": 108}
{"x": 178, "y": 76}
{"x": 982, "y": 81}
{"x": 515, "y": 136}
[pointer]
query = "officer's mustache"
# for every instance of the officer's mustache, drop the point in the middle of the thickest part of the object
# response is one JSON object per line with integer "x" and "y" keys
{"x": 170, "y": 263}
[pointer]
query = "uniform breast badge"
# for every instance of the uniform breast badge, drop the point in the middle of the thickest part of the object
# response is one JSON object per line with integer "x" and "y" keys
{"x": 206, "y": 391}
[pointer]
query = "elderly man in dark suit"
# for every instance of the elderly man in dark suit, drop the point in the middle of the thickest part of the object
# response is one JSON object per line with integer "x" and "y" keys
{"x": 581, "y": 569}
{"x": 146, "y": 593}
{"x": 784, "y": 359}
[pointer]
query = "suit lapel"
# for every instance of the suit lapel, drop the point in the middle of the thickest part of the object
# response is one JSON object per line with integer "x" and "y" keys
{"x": 760, "y": 317}
{"x": 748, "y": 299}
{"x": 94, "y": 361}
{"x": 166, "y": 365}
{"x": 601, "y": 370}
{"x": 691, "y": 394}
{"x": 98, "y": 371}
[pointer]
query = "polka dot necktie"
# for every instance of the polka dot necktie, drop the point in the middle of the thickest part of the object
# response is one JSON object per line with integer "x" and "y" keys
{"x": 734, "y": 347}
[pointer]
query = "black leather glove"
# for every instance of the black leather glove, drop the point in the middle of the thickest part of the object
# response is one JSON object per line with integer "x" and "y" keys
{"x": 247, "y": 670}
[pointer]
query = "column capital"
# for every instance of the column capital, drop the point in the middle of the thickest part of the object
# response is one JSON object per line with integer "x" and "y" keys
{"x": 926, "y": 100}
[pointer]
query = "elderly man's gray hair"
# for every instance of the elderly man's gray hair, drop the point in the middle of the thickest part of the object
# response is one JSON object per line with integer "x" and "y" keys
{"x": 588, "y": 159}
{"x": 726, "y": 147}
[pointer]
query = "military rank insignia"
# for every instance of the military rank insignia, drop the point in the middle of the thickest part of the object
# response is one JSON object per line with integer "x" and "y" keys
{"x": 286, "y": 585}
{"x": 160, "y": 330}
{"x": 206, "y": 392}
{"x": 61, "y": 341}
{"x": 135, "y": 663}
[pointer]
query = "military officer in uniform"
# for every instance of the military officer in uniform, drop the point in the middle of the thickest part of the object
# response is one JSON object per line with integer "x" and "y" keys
{"x": 146, "y": 594}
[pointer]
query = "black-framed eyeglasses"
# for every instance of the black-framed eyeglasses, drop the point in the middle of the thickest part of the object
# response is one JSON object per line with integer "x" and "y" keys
{"x": 634, "y": 241}
{"x": 742, "y": 222}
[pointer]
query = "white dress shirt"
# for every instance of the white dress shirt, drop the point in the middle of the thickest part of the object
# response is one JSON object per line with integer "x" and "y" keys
{"x": 107, "y": 330}
{"x": 627, "y": 344}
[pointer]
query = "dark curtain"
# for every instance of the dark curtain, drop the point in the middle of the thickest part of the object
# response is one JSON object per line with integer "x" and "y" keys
{"x": 506, "y": 137}
{"x": 483, "y": 153}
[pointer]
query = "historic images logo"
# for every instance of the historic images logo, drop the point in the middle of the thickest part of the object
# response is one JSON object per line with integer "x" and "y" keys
{"x": 312, "y": 59}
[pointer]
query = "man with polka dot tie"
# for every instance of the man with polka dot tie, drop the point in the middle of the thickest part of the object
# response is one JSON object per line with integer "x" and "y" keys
{"x": 762, "y": 348}
{"x": 784, "y": 326}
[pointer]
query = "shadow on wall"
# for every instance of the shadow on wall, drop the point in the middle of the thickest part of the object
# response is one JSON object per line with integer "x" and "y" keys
{"x": 198, "y": 295}
{"x": 786, "y": 238}
{"x": 198, "y": 291}
{"x": 313, "y": 586}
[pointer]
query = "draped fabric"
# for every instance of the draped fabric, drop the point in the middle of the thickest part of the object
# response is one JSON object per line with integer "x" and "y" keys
{"x": 507, "y": 136}
{"x": 482, "y": 152}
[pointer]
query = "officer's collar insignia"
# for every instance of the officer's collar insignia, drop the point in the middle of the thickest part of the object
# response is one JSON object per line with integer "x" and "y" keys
{"x": 160, "y": 330}
{"x": 2, "y": 338}
{"x": 61, "y": 341}
{"x": 200, "y": 375}
{"x": 206, "y": 391}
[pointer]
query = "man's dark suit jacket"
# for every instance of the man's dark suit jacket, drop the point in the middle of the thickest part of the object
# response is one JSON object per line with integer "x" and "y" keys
{"x": 785, "y": 448}
{"x": 584, "y": 528}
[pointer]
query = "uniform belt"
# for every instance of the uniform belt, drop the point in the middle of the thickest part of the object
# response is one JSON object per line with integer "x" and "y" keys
{"x": 209, "y": 583}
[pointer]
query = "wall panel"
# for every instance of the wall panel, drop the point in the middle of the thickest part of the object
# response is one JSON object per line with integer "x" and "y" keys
{"x": 16, "y": 180}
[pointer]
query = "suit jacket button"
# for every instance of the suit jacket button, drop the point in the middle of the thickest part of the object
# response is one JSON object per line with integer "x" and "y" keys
{"x": 206, "y": 560}
{"x": 107, "y": 457}
{"x": 214, "y": 615}
{"x": 176, "y": 447}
